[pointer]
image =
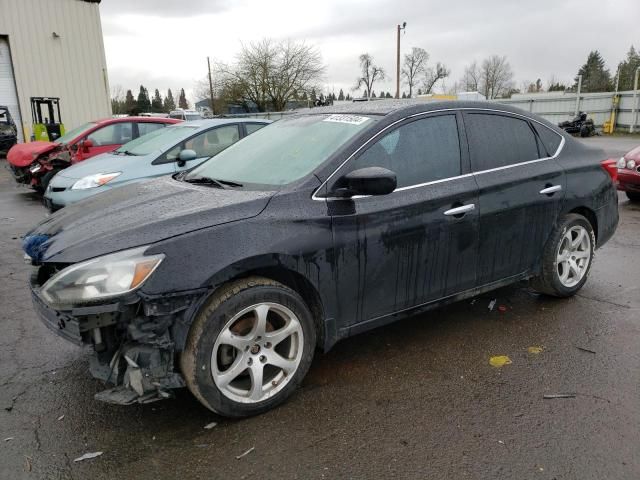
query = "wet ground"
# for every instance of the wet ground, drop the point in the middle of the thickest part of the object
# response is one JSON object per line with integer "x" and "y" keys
{"x": 417, "y": 399}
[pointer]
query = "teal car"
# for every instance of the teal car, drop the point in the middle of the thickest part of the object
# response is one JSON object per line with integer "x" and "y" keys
{"x": 162, "y": 152}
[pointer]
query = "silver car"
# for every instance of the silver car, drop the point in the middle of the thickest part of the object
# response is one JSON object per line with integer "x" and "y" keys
{"x": 162, "y": 152}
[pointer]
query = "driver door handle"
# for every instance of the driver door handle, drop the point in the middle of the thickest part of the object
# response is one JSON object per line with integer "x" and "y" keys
{"x": 460, "y": 210}
{"x": 550, "y": 190}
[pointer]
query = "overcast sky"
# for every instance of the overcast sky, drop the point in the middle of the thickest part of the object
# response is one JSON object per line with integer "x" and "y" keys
{"x": 164, "y": 43}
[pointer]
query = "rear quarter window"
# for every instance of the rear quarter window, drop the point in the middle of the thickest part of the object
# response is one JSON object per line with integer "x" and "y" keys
{"x": 550, "y": 139}
{"x": 499, "y": 141}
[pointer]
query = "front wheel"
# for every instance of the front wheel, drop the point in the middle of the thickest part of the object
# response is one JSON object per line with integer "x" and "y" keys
{"x": 567, "y": 257}
{"x": 249, "y": 347}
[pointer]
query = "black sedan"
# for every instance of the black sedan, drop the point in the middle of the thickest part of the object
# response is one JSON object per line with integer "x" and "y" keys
{"x": 326, "y": 223}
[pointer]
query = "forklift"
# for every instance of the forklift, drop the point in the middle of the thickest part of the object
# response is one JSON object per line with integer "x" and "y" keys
{"x": 46, "y": 128}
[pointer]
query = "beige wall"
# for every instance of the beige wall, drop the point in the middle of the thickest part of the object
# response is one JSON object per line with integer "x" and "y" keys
{"x": 72, "y": 67}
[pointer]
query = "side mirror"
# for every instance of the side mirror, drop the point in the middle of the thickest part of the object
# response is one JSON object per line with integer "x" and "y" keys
{"x": 86, "y": 145}
{"x": 185, "y": 156}
{"x": 366, "y": 181}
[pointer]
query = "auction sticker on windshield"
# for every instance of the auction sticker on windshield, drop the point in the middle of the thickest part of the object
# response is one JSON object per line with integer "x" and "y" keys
{"x": 350, "y": 119}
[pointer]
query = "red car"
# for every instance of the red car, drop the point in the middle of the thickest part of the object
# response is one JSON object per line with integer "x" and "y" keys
{"x": 629, "y": 174}
{"x": 36, "y": 163}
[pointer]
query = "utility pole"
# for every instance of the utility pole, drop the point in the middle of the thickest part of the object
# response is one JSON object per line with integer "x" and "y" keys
{"x": 578, "y": 95}
{"x": 634, "y": 106}
{"x": 213, "y": 111}
{"x": 404, "y": 25}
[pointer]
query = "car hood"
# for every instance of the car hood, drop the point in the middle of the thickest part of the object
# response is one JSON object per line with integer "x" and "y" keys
{"x": 103, "y": 163}
{"x": 633, "y": 154}
{"x": 23, "y": 154}
{"x": 136, "y": 215}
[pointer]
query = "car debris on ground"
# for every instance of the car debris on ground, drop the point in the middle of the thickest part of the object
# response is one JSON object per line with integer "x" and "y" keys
{"x": 245, "y": 453}
{"x": 559, "y": 395}
{"x": 88, "y": 456}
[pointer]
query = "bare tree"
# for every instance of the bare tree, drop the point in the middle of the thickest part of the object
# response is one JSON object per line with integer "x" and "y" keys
{"x": 369, "y": 74}
{"x": 471, "y": 79}
{"x": 414, "y": 65}
{"x": 271, "y": 73}
{"x": 496, "y": 77}
{"x": 297, "y": 67}
{"x": 432, "y": 75}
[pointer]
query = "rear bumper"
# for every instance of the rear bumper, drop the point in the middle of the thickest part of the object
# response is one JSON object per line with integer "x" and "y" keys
{"x": 607, "y": 218}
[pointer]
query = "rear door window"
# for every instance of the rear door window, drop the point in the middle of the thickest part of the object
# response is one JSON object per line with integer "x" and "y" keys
{"x": 114, "y": 134}
{"x": 422, "y": 151}
{"x": 499, "y": 141}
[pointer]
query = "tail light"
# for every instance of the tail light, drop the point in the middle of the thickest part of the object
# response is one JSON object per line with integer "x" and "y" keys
{"x": 610, "y": 166}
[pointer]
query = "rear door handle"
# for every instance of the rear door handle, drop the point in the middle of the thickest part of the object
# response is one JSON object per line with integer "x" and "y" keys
{"x": 460, "y": 210}
{"x": 551, "y": 190}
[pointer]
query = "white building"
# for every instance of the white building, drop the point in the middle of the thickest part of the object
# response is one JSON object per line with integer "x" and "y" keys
{"x": 53, "y": 48}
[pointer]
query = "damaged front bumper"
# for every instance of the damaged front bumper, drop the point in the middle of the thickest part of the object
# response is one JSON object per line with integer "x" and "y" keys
{"x": 136, "y": 340}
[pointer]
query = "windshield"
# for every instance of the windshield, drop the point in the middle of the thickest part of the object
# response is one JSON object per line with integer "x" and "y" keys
{"x": 156, "y": 140}
{"x": 76, "y": 132}
{"x": 284, "y": 151}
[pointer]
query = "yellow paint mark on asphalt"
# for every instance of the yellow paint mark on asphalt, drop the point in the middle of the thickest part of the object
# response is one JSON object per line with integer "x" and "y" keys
{"x": 535, "y": 350}
{"x": 499, "y": 361}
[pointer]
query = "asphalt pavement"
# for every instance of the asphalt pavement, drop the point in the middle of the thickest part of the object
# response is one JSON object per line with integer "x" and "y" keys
{"x": 416, "y": 399}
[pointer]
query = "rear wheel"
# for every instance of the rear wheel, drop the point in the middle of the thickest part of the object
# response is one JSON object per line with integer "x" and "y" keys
{"x": 633, "y": 196}
{"x": 567, "y": 257}
{"x": 249, "y": 347}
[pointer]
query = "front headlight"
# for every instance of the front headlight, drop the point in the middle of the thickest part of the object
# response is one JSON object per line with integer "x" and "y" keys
{"x": 631, "y": 164}
{"x": 93, "y": 181}
{"x": 100, "y": 278}
{"x": 621, "y": 163}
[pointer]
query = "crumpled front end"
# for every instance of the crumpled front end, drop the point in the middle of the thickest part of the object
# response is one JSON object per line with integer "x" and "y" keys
{"x": 133, "y": 338}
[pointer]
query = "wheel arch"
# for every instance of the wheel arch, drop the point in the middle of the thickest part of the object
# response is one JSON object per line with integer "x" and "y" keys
{"x": 282, "y": 270}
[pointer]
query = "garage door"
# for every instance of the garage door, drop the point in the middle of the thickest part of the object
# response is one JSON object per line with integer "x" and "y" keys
{"x": 8, "y": 95}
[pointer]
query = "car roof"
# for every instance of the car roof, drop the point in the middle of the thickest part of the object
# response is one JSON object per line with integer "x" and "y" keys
{"x": 213, "y": 122}
{"x": 412, "y": 105}
{"x": 107, "y": 121}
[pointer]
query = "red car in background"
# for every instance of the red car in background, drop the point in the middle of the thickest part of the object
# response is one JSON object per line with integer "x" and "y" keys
{"x": 36, "y": 163}
{"x": 629, "y": 174}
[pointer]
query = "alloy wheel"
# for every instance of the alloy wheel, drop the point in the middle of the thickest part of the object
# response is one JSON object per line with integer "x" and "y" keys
{"x": 574, "y": 255}
{"x": 257, "y": 352}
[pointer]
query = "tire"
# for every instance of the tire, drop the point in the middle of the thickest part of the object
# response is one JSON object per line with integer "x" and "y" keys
{"x": 633, "y": 196}
{"x": 222, "y": 376}
{"x": 584, "y": 131}
{"x": 46, "y": 179}
{"x": 561, "y": 278}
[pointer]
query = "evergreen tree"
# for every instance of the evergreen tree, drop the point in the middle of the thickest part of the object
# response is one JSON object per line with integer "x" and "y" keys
{"x": 595, "y": 77}
{"x": 156, "y": 102}
{"x": 341, "y": 95}
{"x": 419, "y": 91}
{"x": 182, "y": 100}
{"x": 313, "y": 95}
{"x": 373, "y": 95}
{"x": 627, "y": 69}
{"x": 389, "y": 95}
{"x": 129, "y": 102}
{"x": 169, "y": 103}
{"x": 557, "y": 87}
{"x": 143, "y": 104}
{"x": 348, "y": 98}
{"x": 404, "y": 95}
{"x": 303, "y": 96}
